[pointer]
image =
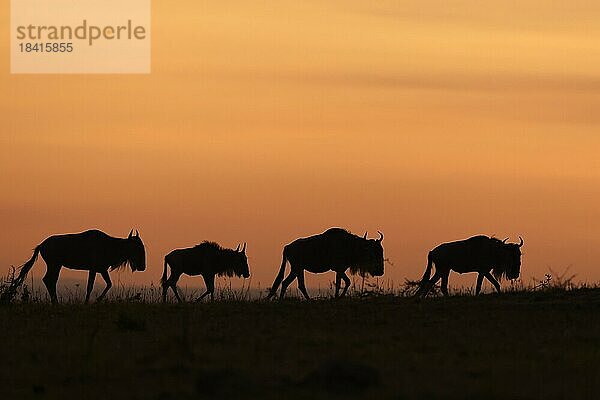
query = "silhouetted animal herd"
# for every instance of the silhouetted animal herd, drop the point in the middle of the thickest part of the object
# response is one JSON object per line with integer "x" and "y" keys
{"x": 333, "y": 250}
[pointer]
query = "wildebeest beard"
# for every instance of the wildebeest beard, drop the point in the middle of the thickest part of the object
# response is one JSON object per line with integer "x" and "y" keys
{"x": 233, "y": 268}
{"x": 122, "y": 264}
{"x": 130, "y": 252}
{"x": 367, "y": 257}
{"x": 226, "y": 262}
{"x": 510, "y": 254}
{"x": 368, "y": 266}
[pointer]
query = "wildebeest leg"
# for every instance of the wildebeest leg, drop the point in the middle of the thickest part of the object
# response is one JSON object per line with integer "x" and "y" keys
{"x": 106, "y": 278}
{"x": 210, "y": 287}
{"x": 176, "y": 292}
{"x": 279, "y": 276}
{"x": 172, "y": 283}
{"x": 346, "y": 283}
{"x": 479, "y": 282}
{"x": 301, "y": 285}
{"x": 165, "y": 289}
{"x": 491, "y": 278}
{"x": 445, "y": 283}
{"x": 90, "y": 285}
{"x": 338, "y": 282}
{"x": 50, "y": 280}
{"x": 286, "y": 282}
{"x": 429, "y": 284}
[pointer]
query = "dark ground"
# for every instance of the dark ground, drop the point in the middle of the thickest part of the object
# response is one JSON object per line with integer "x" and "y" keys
{"x": 543, "y": 345}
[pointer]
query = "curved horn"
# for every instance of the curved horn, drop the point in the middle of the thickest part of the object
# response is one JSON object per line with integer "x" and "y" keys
{"x": 504, "y": 241}
{"x": 137, "y": 233}
{"x": 244, "y": 248}
{"x": 130, "y": 234}
{"x": 380, "y": 236}
{"x": 237, "y": 248}
{"x": 522, "y": 241}
{"x": 364, "y": 237}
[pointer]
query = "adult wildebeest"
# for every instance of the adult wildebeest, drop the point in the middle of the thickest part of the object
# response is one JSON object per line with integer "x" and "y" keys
{"x": 207, "y": 259}
{"x": 336, "y": 249}
{"x": 92, "y": 251}
{"x": 479, "y": 254}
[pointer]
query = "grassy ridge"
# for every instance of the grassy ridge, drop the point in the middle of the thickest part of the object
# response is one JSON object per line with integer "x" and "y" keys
{"x": 519, "y": 345}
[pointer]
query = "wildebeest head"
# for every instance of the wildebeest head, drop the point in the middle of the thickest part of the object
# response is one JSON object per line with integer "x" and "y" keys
{"x": 137, "y": 252}
{"x": 509, "y": 259}
{"x": 239, "y": 264}
{"x": 371, "y": 256}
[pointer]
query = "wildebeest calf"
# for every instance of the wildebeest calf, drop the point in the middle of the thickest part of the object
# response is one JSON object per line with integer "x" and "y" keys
{"x": 207, "y": 259}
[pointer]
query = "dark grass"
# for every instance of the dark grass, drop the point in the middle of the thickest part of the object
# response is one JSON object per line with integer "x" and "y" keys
{"x": 521, "y": 345}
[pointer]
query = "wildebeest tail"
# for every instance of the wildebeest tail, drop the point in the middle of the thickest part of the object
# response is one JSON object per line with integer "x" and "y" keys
{"x": 25, "y": 268}
{"x": 163, "y": 279}
{"x": 279, "y": 276}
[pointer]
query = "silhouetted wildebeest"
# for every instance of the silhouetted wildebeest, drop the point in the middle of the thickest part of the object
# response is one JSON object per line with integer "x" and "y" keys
{"x": 479, "y": 254}
{"x": 336, "y": 250}
{"x": 207, "y": 259}
{"x": 93, "y": 251}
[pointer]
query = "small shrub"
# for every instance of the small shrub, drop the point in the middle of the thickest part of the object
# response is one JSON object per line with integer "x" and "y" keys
{"x": 553, "y": 280}
{"x": 9, "y": 287}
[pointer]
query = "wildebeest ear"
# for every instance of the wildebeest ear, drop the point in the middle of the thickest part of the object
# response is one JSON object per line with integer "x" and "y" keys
{"x": 244, "y": 248}
{"x": 130, "y": 234}
{"x": 237, "y": 248}
{"x": 364, "y": 237}
{"x": 137, "y": 233}
{"x": 380, "y": 236}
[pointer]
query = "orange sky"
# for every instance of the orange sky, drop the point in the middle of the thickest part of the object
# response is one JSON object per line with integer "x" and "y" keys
{"x": 275, "y": 120}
